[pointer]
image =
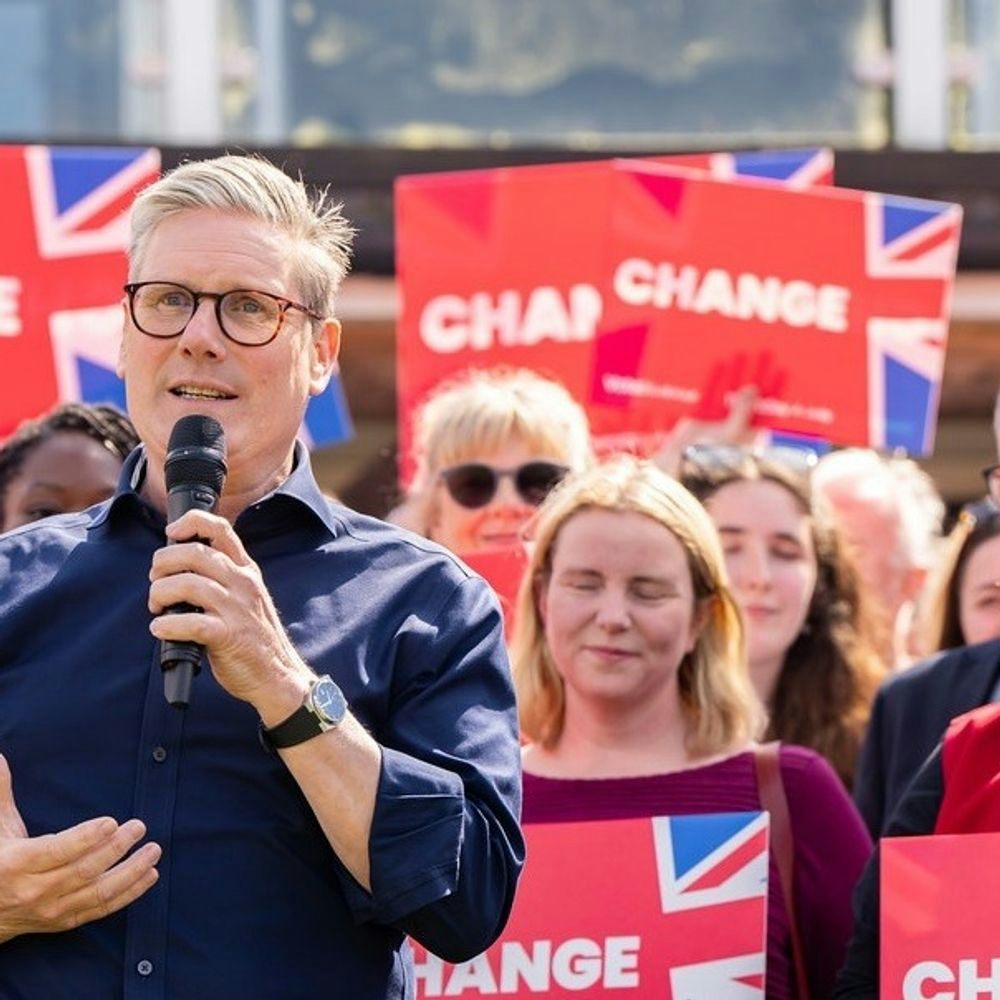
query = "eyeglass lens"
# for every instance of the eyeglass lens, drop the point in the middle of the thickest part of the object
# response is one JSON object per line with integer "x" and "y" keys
{"x": 164, "y": 310}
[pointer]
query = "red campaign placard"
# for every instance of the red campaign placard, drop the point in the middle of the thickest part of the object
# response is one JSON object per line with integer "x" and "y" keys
{"x": 939, "y": 936}
{"x": 496, "y": 267}
{"x": 505, "y": 266}
{"x": 671, "y": 907}
{"x": 833, "y": 302}
{"x": 62, "y": 266}
{"x": 652, "y": 291}
{"x": 503, "y": 570}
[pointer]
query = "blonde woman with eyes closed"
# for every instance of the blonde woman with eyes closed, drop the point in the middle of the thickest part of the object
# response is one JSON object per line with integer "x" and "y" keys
{"x": 635, "y": 699}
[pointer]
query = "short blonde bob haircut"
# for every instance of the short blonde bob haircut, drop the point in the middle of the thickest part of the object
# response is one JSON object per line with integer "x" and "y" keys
{"x": 721, "y": 710}
{"x": 482, "y": 410}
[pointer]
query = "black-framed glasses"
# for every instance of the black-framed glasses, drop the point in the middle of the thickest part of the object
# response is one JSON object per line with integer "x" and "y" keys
{"x": 992, "y": 476}
{"x": 475, "y": 484}
{"x": 709, "y": 458}
{"x": 245, "y": 316}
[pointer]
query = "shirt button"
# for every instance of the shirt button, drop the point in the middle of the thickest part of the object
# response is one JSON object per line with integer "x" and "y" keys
{"x": 144, "y": 968}
{"x": 160, "y": 755}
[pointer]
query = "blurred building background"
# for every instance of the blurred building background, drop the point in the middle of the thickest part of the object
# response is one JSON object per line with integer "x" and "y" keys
{"x": 356, "y": 92}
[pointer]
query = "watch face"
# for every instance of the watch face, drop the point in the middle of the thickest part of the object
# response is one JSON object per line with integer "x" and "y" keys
{"x": 328, "y": 700}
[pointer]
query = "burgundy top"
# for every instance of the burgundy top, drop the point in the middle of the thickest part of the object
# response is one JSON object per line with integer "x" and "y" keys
{"x": 831, "y": 843}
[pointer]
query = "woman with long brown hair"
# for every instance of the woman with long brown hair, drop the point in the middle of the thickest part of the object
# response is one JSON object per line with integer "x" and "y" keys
{"x": 810, "y": 631}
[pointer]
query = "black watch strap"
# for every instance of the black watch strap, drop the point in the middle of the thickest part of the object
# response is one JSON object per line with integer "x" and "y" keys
{"x": 323, "y": 709}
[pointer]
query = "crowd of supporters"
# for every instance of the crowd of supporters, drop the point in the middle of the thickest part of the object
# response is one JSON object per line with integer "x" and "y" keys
{"x": 678, "y": 615}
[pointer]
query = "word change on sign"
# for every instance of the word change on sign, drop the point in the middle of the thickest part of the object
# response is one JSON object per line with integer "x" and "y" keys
{"x": 653, "y": 290}
{"x": 508, "y": 266}
{"x": 671, "y": 907}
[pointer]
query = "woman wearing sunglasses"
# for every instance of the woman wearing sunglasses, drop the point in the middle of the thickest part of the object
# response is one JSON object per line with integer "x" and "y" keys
{"x": 635, "y": 697}
{"x": 810, "y": 630}
{"x": 489, "y": 448}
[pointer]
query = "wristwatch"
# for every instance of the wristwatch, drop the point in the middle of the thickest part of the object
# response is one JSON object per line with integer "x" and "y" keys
{"x": 323, "y": 709}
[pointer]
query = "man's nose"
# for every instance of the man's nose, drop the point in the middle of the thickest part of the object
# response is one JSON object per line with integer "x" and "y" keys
{"x": 203, "y": 335}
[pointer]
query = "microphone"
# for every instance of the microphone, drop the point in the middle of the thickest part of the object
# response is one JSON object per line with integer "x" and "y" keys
{"x": 195, "y": 470}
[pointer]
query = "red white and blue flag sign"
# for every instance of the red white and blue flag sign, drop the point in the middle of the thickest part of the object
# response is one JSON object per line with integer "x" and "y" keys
{"x": 62, "y": 266}
{"x": 834, "y": 302}
{"x": 654, "y": 289}
{"x": 669, "y": 907}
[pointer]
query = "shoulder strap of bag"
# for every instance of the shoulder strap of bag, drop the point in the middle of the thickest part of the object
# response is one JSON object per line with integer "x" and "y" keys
{"x": 771, "y": 789}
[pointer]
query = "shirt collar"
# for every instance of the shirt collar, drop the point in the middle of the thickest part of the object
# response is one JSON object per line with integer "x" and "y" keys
{"x": 300, "y": 486}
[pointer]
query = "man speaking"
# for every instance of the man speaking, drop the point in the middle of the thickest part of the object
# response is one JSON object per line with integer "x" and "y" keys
{"x": 347, "y": 771}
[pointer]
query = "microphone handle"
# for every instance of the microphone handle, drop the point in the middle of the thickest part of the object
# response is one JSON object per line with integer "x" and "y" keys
{"x": 181, "y": 660}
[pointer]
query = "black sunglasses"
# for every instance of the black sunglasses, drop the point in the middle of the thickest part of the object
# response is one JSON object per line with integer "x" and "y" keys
{"x": 475, "y": 484}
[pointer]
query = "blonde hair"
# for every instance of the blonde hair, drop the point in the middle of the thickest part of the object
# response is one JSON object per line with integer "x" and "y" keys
{"x": 482, "y": 409}
{"x": 718, "y": 703}
{"x": 251, "y": 186}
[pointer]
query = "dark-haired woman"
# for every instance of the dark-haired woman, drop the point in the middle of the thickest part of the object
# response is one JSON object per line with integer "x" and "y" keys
{"x": 63, "y": 461}
{"x": 962, "y": 606}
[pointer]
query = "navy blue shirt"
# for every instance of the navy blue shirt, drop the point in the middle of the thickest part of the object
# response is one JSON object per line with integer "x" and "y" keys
{"x": 252, "y": 901}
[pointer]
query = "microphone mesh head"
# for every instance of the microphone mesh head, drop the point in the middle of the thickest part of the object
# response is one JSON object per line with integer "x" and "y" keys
{"x": 196, "y": 453}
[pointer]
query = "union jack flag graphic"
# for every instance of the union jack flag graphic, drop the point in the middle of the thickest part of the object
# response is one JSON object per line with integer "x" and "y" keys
{"x": 669, "y": 907}
{"x": 706, "y": 862}
{"x": 907, "y": 240}
{"x": 793, "y": 168}
{"x": 62, "y": 266}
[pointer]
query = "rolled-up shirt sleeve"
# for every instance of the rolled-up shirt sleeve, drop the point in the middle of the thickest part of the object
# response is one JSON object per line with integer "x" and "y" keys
{"x": 445, "y": 848}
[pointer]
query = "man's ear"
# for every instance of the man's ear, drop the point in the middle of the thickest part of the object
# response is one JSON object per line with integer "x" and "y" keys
{"x": 120, "y": 364}
{"x": 326, "y": 350}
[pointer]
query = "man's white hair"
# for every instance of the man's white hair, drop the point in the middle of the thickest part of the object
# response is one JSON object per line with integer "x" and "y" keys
{"x": 898, "y": 482}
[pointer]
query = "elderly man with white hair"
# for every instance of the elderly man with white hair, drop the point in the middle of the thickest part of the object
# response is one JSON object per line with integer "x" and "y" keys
{"x": 889, "y": 512}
